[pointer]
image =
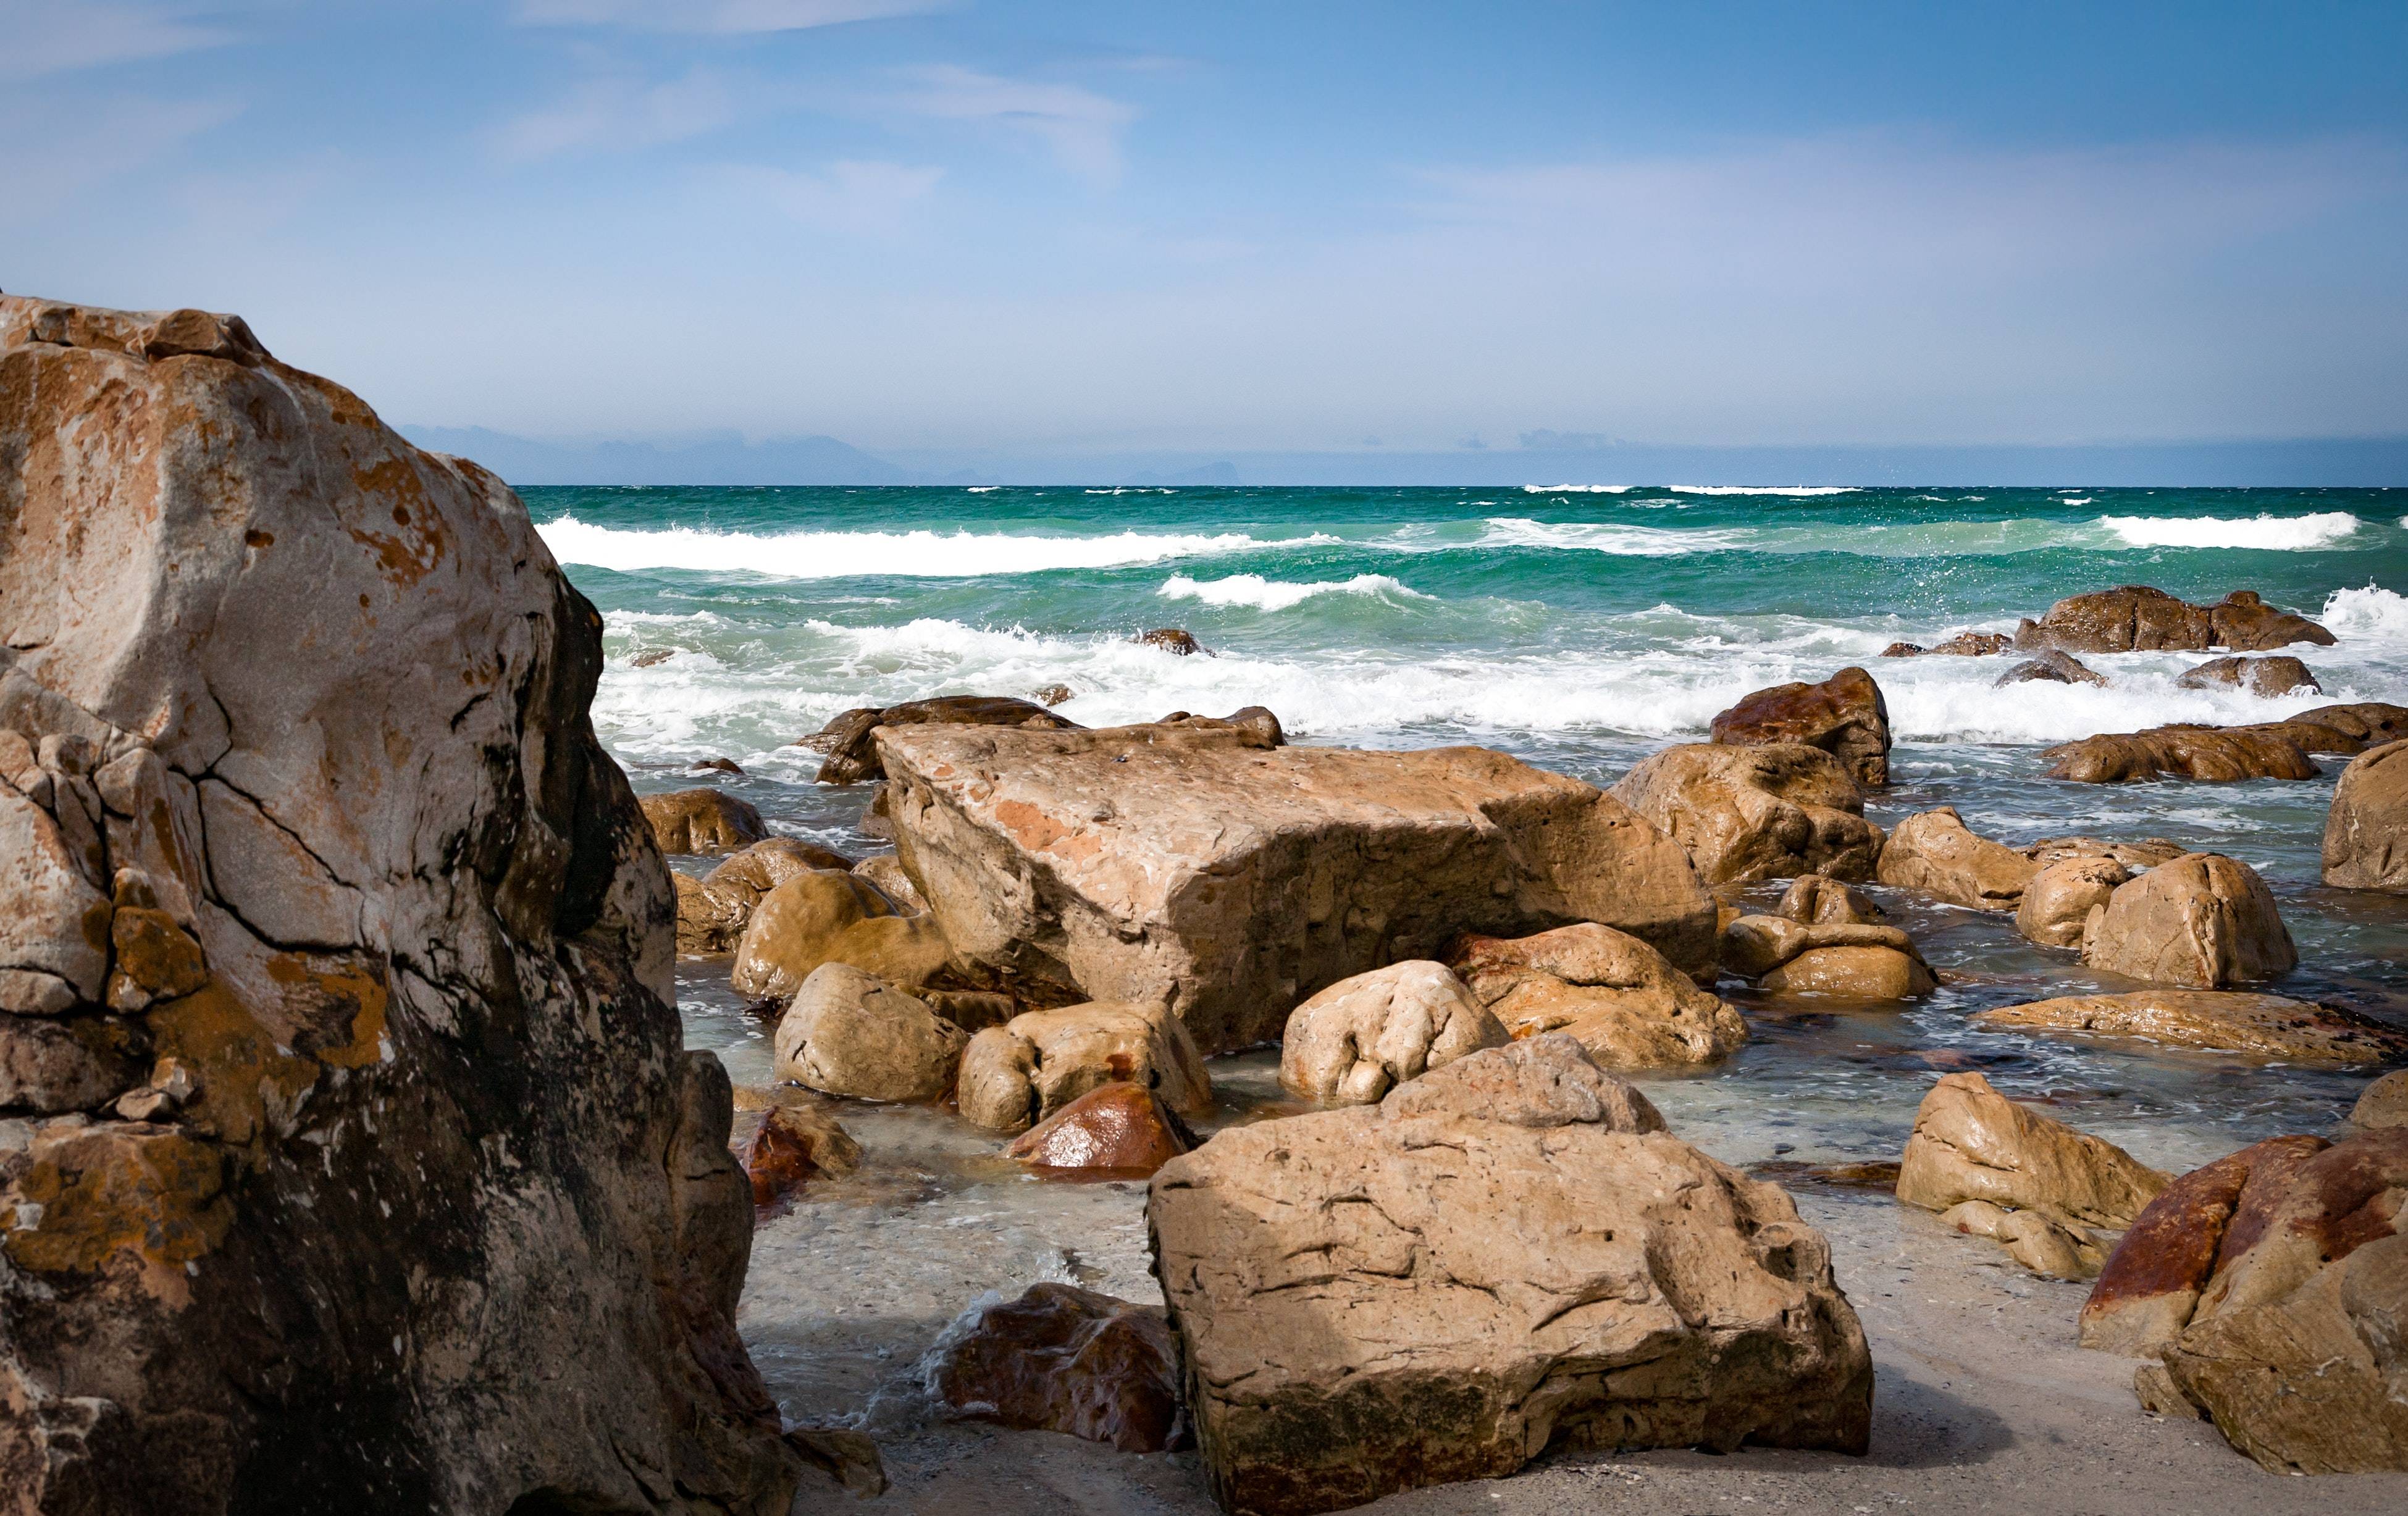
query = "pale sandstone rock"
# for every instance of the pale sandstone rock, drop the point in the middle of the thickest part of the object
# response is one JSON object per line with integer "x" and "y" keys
{"x": 702, "y": 820}
{"x": 851, "y": 1033}
{"x": 1934, "y": 852}
{"x": 886, "y": 870}
{"x": 1358, "y": 1040}
{"x": 1814, "y": 900}
{"x": 1233, "y": 879}
{"x": 1863, "y": 973}
{"x": 832, "y": 916}
{"x": 2383, "y": 1103}
{"x": 326, "y": 696}
{"x": 1621, "y": 999}
{"x": 2056, "y": 903}
{"x": 2139, "y": 856}
{"x": 1844, "y": 715}
{"x": 1360, "y": 1314}
{"x": 1756, "y": 813}
{"x": 2029, "y": 1238}
{"x": 1023, "y": 1071}
{"x": 2365, "y": 833}
{"x": 2203, "y": 921}
{"x": 2229, "y": 1021}
{"x": 712, "y": 911}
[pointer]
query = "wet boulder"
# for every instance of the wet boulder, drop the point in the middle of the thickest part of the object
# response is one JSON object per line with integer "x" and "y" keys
{"x": 785, "y": 1146}
{"x": 2242, "y": 622}
{"x": 712, "y": 911}
{"x": 2220, "y": 755}
{"x": 1934, "y": 852}
{"x": 1858, "y": 961}
{"x": 852, "y": 1033}
{"x": 1354, "y": 1041}
{"x": 2266, "y": 677}
{"x": 2055, "y": 905}
{"x": 2226, "y": 1020}
{"x": 2366, "y": 833}
{"x": 1172, "y": 639}
{"x": 2344, "y": 730}
{"x": 2203, "y": 920}
{"x": 1844, "y": 716}
{"x": 419, "y": 1097}
{"x": 832, "y": 916}
{"x": 2135, "y": 617}
{"x": 1063, "y": 1359}
{"x": 1017, "y": 1073}
{"x": 850, "y": 742}
{"x": 1205, "y": 868}
{"x": 2050, "y": 668}
{"x": 1621, "y": 999}
{"x": 1745, "y": 814}
{"x": 1358, "y": 1316}
{"x": 1814, "y": 900}
{"x": 1118, "y": 1130}
{"x": 885, "y": 871}
{"x": 702, "y": 820}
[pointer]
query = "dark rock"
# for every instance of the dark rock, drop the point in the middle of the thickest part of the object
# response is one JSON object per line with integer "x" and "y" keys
{"x": 1063, "y": 1359}
{"x": 716, "y": 765}
{"x": 2054, "y": 666}
{"x": 1963, "y": 645}
{"x": 1052, "y": 694}
{"x": 852, "y": 750}
{"x": 1844, "y": 716}
{"x": 2135, "y": 617}
{"x": 650, "y": 656}
{"x": 2217, "y": 754}
{"x": 783, "y": 1148}
{"x": 1172, "y": 639}
{"x": 2265, "y": 676}
{"x": 702, "y": 820}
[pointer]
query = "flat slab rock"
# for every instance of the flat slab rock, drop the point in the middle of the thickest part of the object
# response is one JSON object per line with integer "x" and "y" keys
{"x": 1202, "y": 866}
{"x": 1506, "y": 1254}
{"x": 2228, "y": 1021}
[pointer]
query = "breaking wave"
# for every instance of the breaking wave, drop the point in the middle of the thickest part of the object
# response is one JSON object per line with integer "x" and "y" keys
{"x": 821, "y": 555}
{"x": 1259, "y": 593}
{"x": 2278, "y": 534}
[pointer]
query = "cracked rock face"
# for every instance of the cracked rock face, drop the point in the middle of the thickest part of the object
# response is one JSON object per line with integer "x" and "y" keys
{"x": 2366, "y": 835}
{"x": 1770, "y": 813}
{"x": 1506, "y": 1255}
{"x": 347, "y": 1156}
{"x": 2203, "y": 921}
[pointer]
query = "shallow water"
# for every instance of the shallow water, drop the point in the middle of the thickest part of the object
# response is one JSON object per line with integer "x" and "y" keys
{"x": 1579, "y": 631}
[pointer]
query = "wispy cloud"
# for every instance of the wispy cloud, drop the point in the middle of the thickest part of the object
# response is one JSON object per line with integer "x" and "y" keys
{"x": 1079, "y": 127}
{"x": 716, "y": 18}
{"x": 860, "y": 197}
{"x": 56, "y": 36}
{"x": 621, "y": 113}
{"x": 57, "y": 157}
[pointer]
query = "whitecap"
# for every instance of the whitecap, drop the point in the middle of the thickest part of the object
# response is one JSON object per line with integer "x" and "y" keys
{"x": 1605, "y": 537}
{"x": 1575, "y": 488}
{"x": 2280, "y": 533}
{"x": 1259, "y": 593}
{"x": 2371, "y": 611}
{"x": 1792, "y": 491}
{"x": 820, "y": 555}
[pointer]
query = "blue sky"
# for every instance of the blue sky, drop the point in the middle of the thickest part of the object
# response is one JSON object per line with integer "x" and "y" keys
{"x": 1057, "y": 228}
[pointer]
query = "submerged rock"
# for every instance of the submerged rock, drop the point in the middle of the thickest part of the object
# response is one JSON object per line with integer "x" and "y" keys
{"x": 1354, "y": 1041}
{"x": 1744, "y": 814}
{"x": 1063, "y": 1359}
{"x": 2365, "y": 833}
{"x": 1844, "y": 716}
{"x": 431, "y": 1212}
{"x": 2228, "y": 1021}
{"x": 2052, "y": 667}
{"x": 850, "y": 743}
{"x": 1934, "y": 852}
{"x": 1203, "y": 868}
{"x": 1621, "y": 999}
{"x": 1027, "y": 1069}
{"x": 1963, "y": 645}
{"x": 2267, "y": 677}
{"x": 2135, "y": 617}
{"x": 1117, "y": 1130}
{"x": 784, "y": 1146}
{"x": 2203, "y": 921}
{"x": 702, "y": 820}
{"x": 1369, "y": 1297}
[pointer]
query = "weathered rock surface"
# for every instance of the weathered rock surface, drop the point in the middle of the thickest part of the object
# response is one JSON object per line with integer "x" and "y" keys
{"x": 2228, "y": 1021}
{"x": 852, "y": 1033}
{"x": 1023, "y": 1071}
{"x": 702, "y": 820}
{"x": 2365, "y": 833}
{"x": 318, "y": 699}
{"x": 1117, "y": 1130}
{"x": 850, "y": 742}
{"x": 832, "y": 916}
{"x": 1621, "y": 999}
{"x": 1963, "y": 645}
{"x": 1361, "y": 1312}
{"x": 2383, "y": 1103}
{"x": 711, "y": 911}
{"x": 783, "y": 1147}
{"x": 2220, "y": 755}
{"x": 2146, "y": 853}
{"x": 2203, "y": 921}
{"x": 1063, "y": 1359}
{"x": 2346, "y": 730}
{"x": 1756, "y": 813}
{"x": 1814, "y": 900}
{"x": 885, "y": 871}
{"x": 1232, "y": 879}
{"x": 2055, "y": 905}
{"x": 1971, "y": 1143}
{"x": 1934, "y": 852}
{"x": 2050, "y": 668}
{"x": 2267, "y": 677}
{"x": 1859, "y": 961}
{"x": 1844, "y": 716}
{"x": 2137, "y": 619}
{"x": 1361, "y": 1038}
{"x": 1172, "y": 639}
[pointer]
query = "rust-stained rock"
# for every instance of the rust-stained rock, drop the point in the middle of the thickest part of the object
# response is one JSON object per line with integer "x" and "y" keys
{"x": 1621, "y": 999}
{"x": 1063, "y": 1359}
{"x": 702, "y": 820}
{"x": 1506, "y": 1255}
{"x": 1844, "y": 716}
{"x": 2365, "y": 833}
{"x": 2137, "y": 619}
{"x": 1361, "y": 1038}
{"x": 1203, "y": 868}
{"x": 2267, "y": 677}
{"x": 2203, "y": 920}
{"x": 1117, "y": 1130}
{"x": 2228, "y": 1021}
{"x": 784, "y": 1146}
{"x": 1934, "y": 852}
{"x": 1039, "y": 1062}
{"x": 428, "y": 1210}
{"x": 1745, "y": 814}
{"x": 850, "y": 741}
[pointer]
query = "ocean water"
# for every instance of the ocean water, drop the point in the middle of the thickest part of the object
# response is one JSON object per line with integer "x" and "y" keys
{"x": 1579, "y": 628}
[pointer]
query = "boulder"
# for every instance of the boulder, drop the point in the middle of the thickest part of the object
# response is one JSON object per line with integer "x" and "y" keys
{"x": 783, "y": 1147}
{"x": 2220, "y": 755}
{"x": 2203, "y": 921}
{"x": 2267, "y": 677}
{"x": 711, "y": 911}
{"x": 1814, "y": 900}
{"x": 1359, "y": 1038}
{"x": 1063, "y": 1359}
{"x": 1963, "y": 645}
{"x": 2137, "y": 619}
{"x": 1844, "y": 716}
{"x": 1859, "y": 961}
{"x": 1172, "y": 639}
{"x": 2050, "y": 668}
{"x": 2228, "y": 1020}
{"x": 1202, "y": 867}
{"x": 1116, "y": 1130}
{"x": 702, "y": 820}
{"x": 850, "y": 743}
{"x": 2365, "y": 833}
{"x": 1027, "y": 1069}
{"x": 1745, "y": 814}
{"x": 832, "y": 916}
{"x": 2030, "y": 1239}
{"x": 1359, "y": 1315}
{"x": 1934, "y": 852}
{"x": 1620, "y": 998}
{"x": 1972, "y": 1143}
{"x": 2146, "y": 853}
{"x": 852, "y": 1033}
{"x": 885, "y": 871}
{"x": 2056, "y": 903}
{"x": 2383, "y": 1103}
{"x": 444, "y": 1218}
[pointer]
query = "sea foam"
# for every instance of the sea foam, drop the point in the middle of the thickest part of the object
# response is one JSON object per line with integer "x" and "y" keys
{"x": 2281, "y": 533}
{"x": 818, "y": 555}
{"x": 1259, "y": 593}
{"x": 1796, "y": 492}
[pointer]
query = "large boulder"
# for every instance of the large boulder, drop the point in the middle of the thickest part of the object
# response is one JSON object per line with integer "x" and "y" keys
{"x": 1202, "y": 867}
{"x": 832, "y": 916}
{"x": 2203, "y": 920}
{"x": 1620, "y": 998}
{"x": 1017, "y": 1073}
{"x": 2365, "y": 833}
{"x": 2274, "y": 1284}
{"x": 2223, "y": 754}
{"x": 1506, "y": 1254}
{"x": 852, "y": 1033}
{"x": 712, "y": 911}
{"x": 2228, "y": 1020}
{"x": 1063, "y": 1359}
{"x": 430, "y": 1212}
{"x": 850, "y": 742}
{"x": 2056, "y": 902}
{"x": 2135, "y": 617}
{"x": 1844, "y": 716}
{"x": 1361, "y": 1038}
{"x": 702, "y": 820}
{"x": 1976, "y": 1156}
{"x": 1934, "y": 852}
{"x": 1745, "y": 814}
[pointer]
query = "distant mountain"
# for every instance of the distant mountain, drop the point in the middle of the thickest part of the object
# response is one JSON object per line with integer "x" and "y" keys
{"x": 726, "y": 459}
